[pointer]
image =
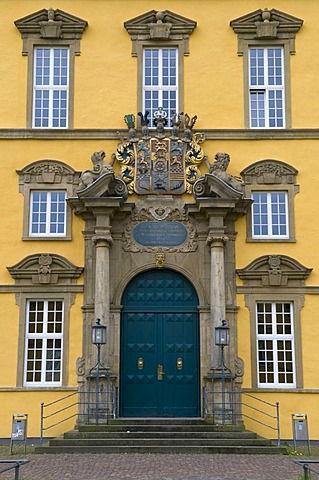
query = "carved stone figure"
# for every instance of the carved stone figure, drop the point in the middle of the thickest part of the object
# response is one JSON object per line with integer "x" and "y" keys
{"x": 219, "y": 168}
{"x": 99, "y": 168}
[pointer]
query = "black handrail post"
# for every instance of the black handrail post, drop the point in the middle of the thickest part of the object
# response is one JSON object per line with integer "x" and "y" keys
{"x": 41, "y": 423}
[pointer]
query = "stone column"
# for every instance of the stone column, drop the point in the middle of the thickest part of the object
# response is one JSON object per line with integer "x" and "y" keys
{"x": 217, "y": 289}
{"x": 102, "y": 283}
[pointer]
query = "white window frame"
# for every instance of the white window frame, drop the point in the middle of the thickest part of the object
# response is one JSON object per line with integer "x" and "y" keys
{"x": 270, "y": 220}
{"x": 48, "y": 214}
{"x": 161, "y": 88}
{"x": 275, "y": 338}
{"x": 45, "y": 337}
{"x": 51, "y": 88}
{"x": 264, "y": 90}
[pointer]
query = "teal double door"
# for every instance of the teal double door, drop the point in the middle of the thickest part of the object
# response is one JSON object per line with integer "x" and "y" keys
{"x": 159, "y": 374}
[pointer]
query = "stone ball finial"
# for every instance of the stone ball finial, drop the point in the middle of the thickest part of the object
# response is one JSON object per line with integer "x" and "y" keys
{"x": 51, "y": 14}
{"x": 160, "y": 17}
{"x": 266, "y": 15}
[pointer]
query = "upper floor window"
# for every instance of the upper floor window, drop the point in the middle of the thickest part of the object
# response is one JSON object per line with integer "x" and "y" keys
{"x": 48, "y": 213}
{"x": 160, "y": 80}
{"x": 51, "y": 88}
{"x": 270, "y": 215}
{"x": 272, "y": 186}
{"x": 44, "y": 338}
{"x": 160, "y": 41}
{"x": 275, "y": 344}
{"x": 46, "y": 185}
{"x": 266, "y": 88}
{"x": 51, "y": 39}
{"x": 266, "y": 39}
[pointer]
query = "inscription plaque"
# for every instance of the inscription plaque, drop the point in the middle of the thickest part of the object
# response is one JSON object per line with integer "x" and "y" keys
{"x": 160, "y": 234}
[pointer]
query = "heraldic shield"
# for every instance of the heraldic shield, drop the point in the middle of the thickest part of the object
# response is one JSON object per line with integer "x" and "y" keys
{"x": 165, "y": 163}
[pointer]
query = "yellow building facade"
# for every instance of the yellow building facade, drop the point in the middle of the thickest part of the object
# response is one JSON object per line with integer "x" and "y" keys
{"x": 161, "y": 224}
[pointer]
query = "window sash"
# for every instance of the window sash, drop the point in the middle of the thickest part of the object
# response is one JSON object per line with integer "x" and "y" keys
{"x": 160, "y": 81}
{"x": 270, "y": 215}
{"x": 44, "y": 342}
{"x": 51, "y": 88}
{"x": 275, "y": 344}
{"x": 47, "y": 213}
{"x": 266, "y": 87}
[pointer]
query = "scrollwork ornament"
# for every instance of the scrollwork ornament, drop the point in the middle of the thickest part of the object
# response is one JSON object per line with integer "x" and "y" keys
{"x": 80, "y": 366}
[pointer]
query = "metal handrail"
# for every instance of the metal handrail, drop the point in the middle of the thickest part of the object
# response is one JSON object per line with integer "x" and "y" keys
{"x": 108, "y": 407}
{"x": 232, "y": 404}
{"x": 306, "y": 468}
{"x": 14, "y": 464}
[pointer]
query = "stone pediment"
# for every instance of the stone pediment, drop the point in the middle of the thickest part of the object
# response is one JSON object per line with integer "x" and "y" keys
{"x": 160, "y": 25}
{"x": 274, "y": 270}
{"x": 107, "y": 185}
{"x": 45, "y": 268}
{"x": 51, "y": 24}
{"x": 48, "y": 171}
{"x": 213, "y": 186}
{"x": 269, "y": 172}
{"x": 266, "y": 24}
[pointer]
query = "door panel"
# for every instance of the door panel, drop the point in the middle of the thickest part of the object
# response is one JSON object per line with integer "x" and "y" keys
{"x": 159, "y": 333}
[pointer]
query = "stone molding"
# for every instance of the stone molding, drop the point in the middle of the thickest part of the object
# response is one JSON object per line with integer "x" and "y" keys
{"x": 266, "y": 25}
{"x": 45, "y": 268}
{"x": 50, "y": 24}
{"x": 269, "y": 172}
{"x": 107, "y": 185}
{"x": 47, "y": 172}
{"x": 159, "y": 26}
{"x": 274, "y": 270}
{"x": 113, "y": 134}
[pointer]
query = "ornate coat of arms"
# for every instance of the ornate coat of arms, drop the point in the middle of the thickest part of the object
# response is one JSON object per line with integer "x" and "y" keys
{"x": 168, "y": 162}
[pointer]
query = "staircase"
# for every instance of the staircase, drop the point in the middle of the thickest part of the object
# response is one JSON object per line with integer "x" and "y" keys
{"x": 158, "y": 435}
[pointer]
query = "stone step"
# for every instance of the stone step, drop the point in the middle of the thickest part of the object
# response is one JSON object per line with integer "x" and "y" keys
{"x": 165, "y": 435}
{"x": 102, "y": 442}
{"x": 204, "y": 449}
{"x": 168, "y": 427}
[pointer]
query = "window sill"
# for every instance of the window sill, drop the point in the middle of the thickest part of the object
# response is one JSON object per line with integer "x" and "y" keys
{"x": 45, "y": 239}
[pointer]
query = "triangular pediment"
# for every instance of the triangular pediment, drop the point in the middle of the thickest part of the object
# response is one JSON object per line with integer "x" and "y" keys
{"x": 70, "y": 26}
{"x": 50, "y": 25}
{"x": 143, "y": 23}
{"x": 248, "y": 23}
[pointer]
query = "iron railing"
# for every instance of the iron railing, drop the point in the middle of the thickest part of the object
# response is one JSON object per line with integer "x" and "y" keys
{"x": 305, "y": 464}
{"x": 83, "y": 405}
{"x": 227, "y": 407}
{"x": 13, "y": 464}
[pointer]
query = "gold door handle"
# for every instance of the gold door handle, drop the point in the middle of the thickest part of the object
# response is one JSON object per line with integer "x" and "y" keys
{"x": 179, "y": 363}
{"x": 160, "y": 372}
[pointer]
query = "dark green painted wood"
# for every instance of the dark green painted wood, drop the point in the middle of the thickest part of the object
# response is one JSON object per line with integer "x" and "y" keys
{"x": 159, "y": 325}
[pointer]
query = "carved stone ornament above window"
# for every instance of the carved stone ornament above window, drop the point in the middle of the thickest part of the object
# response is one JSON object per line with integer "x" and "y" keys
{"x": 50, "y": 24}
{"x": 48, "y": 172}
{"x": 266, "y": 25}
{"x": 45, "y": 268}
{"x": 269, "y": 172}
{"x": 159, "y": 26}
{"x": 274, "y": 270}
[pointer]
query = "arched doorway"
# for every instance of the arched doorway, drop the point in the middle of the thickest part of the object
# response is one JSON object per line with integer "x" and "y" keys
{"x": 159, "y": 372}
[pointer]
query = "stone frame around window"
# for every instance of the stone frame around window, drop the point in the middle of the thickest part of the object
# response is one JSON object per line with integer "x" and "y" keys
{"x": 50, "y": 28}
{"x": 267, "y": 28}
{"x": 274, "y": 278}
{"x": 44, "y": 276}
{"x": 160, "y": 29}
{"x": 47, "y": 175}
{"x": 270, "y": 176}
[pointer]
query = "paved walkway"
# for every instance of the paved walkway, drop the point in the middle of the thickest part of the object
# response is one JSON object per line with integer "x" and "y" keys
{"x": 157, "y": 467}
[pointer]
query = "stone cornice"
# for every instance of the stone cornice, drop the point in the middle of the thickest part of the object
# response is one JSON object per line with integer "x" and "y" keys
{"x": 113, "y": 134}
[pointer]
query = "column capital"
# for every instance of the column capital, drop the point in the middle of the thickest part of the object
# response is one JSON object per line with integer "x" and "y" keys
{"x": 216, "y": 240}
{"x": 102, "y": 240}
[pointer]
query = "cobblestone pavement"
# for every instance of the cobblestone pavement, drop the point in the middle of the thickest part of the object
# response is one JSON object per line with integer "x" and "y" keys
{"x": 157, "y": 467}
